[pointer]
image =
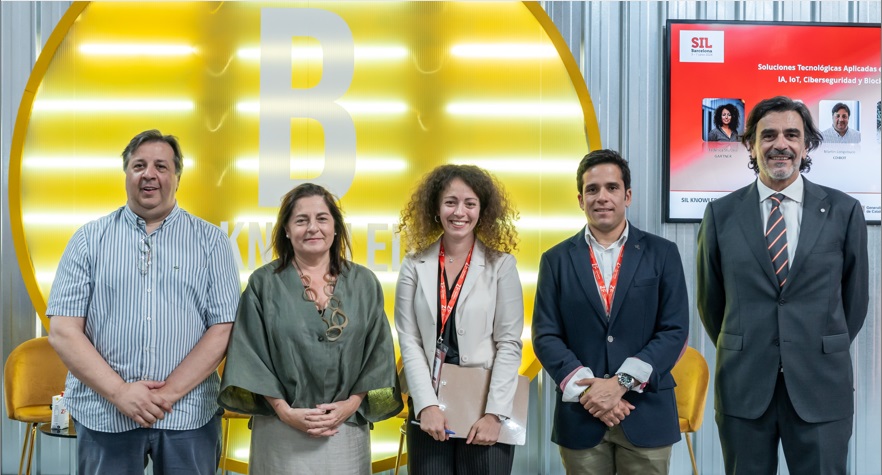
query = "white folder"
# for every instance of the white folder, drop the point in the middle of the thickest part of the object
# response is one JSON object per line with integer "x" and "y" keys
{"x": 462, "y": 396}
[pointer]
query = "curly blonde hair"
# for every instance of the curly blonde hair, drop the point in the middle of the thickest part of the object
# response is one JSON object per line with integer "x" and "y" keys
{"x": 495, "y": 227}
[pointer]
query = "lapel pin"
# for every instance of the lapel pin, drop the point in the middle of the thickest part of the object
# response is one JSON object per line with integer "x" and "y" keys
{"x": 823, "y": 210}
{"x": 636, "y": 246}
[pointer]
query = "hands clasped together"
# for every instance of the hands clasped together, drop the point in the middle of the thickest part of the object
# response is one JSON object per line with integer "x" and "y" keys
{"x": 603, "y": 400}
{"x": 483, "y": 432}
{"x": 322, "y": 421}
{"x": 145, "y": 402}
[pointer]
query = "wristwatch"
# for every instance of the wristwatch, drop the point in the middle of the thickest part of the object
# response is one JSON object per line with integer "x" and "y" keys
{"x": 626, "y": 380}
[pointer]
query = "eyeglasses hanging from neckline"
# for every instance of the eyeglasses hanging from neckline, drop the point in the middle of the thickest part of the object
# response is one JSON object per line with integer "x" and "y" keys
{"x": 145, "y": 246}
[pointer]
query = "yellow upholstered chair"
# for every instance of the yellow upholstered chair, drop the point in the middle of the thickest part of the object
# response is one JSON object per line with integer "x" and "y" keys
{"x": 403, "y": 416}
{"x": 225, "y": 425}
{"x": 32, "y": 375}
{"x": 225, "y": 447}
{"x": 692, "y": 376}
{"x": 399, "y": 367}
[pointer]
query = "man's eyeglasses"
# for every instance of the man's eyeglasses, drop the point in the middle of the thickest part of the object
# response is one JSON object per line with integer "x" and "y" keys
{"x": 144, "y": 259}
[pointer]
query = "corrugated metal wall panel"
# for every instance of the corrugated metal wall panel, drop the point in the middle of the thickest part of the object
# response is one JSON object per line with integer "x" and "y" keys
{"x": 622, "y": 62}
{"x": 24, "y": 27}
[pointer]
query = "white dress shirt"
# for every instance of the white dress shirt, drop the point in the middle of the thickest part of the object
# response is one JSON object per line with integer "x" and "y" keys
{"x": 636, "y": 368}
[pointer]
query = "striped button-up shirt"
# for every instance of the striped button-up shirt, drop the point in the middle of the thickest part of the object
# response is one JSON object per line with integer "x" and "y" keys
{"x": 147, "y": 301}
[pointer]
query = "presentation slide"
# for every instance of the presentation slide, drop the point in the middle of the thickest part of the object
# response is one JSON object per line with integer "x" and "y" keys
{"x": 717, "y": 72}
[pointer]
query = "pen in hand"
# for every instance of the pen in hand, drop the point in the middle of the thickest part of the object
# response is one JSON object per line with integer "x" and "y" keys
{"x": 446, "y": 431}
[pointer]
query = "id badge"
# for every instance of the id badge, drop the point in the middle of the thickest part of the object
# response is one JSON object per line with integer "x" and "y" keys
{"x": 440, "y": 354}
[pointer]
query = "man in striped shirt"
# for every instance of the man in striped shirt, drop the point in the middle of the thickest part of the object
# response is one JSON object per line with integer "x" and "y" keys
{"x": 141, "y": 311}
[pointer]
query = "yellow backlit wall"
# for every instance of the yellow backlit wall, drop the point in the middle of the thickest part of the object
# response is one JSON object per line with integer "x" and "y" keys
{"x": 491, "y": 84}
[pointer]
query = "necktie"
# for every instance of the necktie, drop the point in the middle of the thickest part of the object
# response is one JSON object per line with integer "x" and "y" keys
{"x": 776, "y": 238}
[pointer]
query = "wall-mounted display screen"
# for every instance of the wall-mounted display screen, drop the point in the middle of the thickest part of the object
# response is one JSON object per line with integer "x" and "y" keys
{"x": 717, "y": 71}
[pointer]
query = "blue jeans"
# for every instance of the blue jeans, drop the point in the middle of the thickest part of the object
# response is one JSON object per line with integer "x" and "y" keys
{"x": 173, "y": 452}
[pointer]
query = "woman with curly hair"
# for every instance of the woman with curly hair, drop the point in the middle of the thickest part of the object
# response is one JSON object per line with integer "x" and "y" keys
{"x": 459, "y": 296}
{"x": 726, "y": 120}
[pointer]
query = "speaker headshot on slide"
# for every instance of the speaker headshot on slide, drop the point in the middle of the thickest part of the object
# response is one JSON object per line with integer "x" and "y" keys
{"x": 842, "y": 130}
{"x": 726, "y": 121}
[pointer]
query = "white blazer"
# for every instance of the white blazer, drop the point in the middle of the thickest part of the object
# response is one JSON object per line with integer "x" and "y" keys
{"x": 489, "y": 322}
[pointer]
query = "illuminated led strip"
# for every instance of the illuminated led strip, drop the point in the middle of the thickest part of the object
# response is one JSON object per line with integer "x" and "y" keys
{"x": 60, "y": 219}
{"x": 385, "y": 277}
{"x": 45, "y": 277}
{"x": 135, "y": 49}
{"x": 361, "y": 53}
{"x": 67, "y": 163}
{"x": 485, "y": 109}
{"x": 361, "y": 220}
{"x": 389, "y": 277}
{"x": 517, "y": 165}
{"x": 353, "y": 107}
{"x": 525, "y": 223}
{"x": 101, "y": 105}
{"x": 515, "y": 109}
{"x": 507, "y": 51}
{"x": 551, "y": 222}
{"x": 362, "y": 165}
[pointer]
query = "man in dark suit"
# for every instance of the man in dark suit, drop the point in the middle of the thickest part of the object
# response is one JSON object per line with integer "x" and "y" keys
{"x": 609, "y": 321}
{"x": 782, "y": 292}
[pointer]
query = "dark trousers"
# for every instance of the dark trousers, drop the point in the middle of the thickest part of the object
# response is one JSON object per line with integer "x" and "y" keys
{"x": 750, "y": 446}
{"x": 173, "y": 452}
{"x": 427, "y": 456}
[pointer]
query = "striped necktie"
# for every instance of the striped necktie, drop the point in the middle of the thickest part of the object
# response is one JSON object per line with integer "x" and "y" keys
{"x": 776, "y": 238}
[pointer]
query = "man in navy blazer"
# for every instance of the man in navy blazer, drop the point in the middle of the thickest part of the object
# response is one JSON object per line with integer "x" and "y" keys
{"x": 610, "y": 320}
{"x": 783, "y": 330}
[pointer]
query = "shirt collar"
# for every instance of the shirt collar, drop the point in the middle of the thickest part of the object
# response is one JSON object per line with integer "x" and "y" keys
{"x": 589, "y": 238}
{"x": 794, "y": 191}
{"x": 139, "y": 222}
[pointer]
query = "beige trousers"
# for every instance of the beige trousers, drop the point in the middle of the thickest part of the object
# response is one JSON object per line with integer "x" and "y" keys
{"x": 616, "y": 455}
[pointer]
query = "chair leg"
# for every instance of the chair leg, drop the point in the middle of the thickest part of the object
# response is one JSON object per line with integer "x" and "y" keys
{"x": 33, "y": 430}
{"x": 400, "y": 447}
{"x": 24, "y": 448}
{"x": 225, "y": 444}
{"x": 691, "y": 453}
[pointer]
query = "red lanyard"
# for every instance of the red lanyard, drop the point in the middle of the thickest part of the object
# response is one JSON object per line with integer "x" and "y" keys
{"x": 445, "y": 307}
{"x": 606, "y": 293}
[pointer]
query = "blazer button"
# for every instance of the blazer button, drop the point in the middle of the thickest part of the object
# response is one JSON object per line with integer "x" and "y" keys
{"x": 605, "y": 376}
{"x": 781, "y": 302}
{"x": 775, "y": 341}
{"x": 610, "y": 339}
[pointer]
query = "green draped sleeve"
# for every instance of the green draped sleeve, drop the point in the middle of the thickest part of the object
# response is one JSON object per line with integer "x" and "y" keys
{"x": 278, "y": 348}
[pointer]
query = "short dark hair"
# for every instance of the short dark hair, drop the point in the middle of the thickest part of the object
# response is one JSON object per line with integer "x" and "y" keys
{"x": 813, "y": 137}
{"x": 154, "y": 135}
{"x": 736, "y": 116}
{"x": 599, "y": 157}
{"x": 840, "y": 105}
{"x": 282, "y": 247}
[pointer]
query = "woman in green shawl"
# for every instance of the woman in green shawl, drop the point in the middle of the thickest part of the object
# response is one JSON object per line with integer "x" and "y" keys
{"x": 311, "y": 355}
